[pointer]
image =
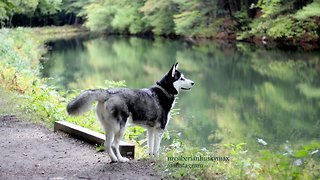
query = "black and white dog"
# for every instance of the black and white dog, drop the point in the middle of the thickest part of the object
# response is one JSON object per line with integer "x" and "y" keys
{"x": 149, "y": 108}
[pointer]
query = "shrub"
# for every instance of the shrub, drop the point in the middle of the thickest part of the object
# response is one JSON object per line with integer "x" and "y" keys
{"x": 311, "y": 10}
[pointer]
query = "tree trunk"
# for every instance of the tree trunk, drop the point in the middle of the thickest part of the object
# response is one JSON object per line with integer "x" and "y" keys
{"x": 10, "y": 21}
{"x": 227, "y": 5}
{"x": 76, "y": 21}
{"x": 30, "y": 21}
{"x": 70, "y": 19}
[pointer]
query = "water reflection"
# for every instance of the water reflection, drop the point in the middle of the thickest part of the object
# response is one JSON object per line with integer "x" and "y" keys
{"x": 242, "y": 92}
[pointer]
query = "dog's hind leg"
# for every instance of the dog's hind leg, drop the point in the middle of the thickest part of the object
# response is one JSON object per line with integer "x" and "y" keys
{"x": 157, "y": 140}
{"x": 107, "y": 144}
{"x": 151, "y": 131}
{"x": 108, "y": 128}
{"x": 116, "y": 142}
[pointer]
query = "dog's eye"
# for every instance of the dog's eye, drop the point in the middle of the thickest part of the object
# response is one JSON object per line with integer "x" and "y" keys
{"x": 182, "y": 79}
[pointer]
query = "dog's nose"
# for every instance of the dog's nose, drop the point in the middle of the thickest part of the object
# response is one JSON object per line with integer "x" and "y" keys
{"x": 192, "y": 83}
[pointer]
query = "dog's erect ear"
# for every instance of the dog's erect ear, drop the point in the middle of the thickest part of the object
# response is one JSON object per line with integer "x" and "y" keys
{"x": 173, "y": 69}
{"x": 176, "y": 65}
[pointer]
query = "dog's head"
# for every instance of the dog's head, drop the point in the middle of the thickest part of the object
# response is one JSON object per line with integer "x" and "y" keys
{"x": 174, "y": 81}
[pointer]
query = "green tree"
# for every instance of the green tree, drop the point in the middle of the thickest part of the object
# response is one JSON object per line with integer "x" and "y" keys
{"x": 99, "y": 15}
{"x": 29, "y": 8}
{"x": 195, "y": 16}
{"x": 159, "y": 13}
{"x": 114, "y": 16}
{"x": 10, "y": 7}
{"x": 47, "y": 7}
{"x": 269, "y": 7}
{"x": 128, "y": 18}
{"x": 75, "y": 10}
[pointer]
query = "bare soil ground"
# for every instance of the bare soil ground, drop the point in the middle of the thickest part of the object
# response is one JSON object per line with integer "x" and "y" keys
{"x": 31, "y": 151}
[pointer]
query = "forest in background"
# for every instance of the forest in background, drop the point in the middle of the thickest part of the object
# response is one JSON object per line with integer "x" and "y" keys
{"x": 296, "y": 21}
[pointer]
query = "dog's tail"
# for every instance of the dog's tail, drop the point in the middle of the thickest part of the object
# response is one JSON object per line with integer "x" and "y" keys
{"x": 83, "y": 102}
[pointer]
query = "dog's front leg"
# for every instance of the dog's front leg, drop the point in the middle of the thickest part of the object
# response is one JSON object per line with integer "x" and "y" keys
{"x": 157, "y": 140}
{"x": 151, "y": 135}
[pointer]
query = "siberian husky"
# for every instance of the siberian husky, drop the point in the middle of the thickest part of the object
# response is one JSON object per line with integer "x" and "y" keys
{"x": 149, "y": 108}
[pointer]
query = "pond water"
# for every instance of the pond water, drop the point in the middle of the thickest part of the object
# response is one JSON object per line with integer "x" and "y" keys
{"x": 242, "y": 92}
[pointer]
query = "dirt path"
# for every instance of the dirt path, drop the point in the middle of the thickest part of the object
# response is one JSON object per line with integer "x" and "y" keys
{"x": 30, "y": 151}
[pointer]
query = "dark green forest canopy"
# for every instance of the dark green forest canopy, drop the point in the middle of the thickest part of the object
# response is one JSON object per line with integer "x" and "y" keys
{"x": 40, "y": 12}
{"x": 226, "y": 19}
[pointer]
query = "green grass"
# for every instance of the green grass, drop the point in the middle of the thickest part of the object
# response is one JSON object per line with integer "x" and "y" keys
{"x": 237, "y": 161}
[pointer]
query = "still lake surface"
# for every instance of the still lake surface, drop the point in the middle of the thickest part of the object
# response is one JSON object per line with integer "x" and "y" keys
{"x": 242, "y": 92}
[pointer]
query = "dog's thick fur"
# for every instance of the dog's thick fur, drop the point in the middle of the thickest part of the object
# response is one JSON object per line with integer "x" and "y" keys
{"x": 149, "y": 108}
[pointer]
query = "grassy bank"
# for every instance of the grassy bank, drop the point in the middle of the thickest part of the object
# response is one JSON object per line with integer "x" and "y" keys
{"x": 239, "y": 161}
{"x": 21, "y": 51}
{"x": 23, "y": 90}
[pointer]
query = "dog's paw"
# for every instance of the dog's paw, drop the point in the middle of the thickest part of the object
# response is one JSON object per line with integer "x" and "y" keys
{"x": 123, "y": 159}
{"x": 114, "y": 160}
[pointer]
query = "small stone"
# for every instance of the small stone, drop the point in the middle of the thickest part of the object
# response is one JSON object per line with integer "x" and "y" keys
{"x": 298, "y": 162}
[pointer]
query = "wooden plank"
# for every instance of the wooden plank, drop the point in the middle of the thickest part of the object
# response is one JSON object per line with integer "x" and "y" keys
{"x": 92, "y": 137}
